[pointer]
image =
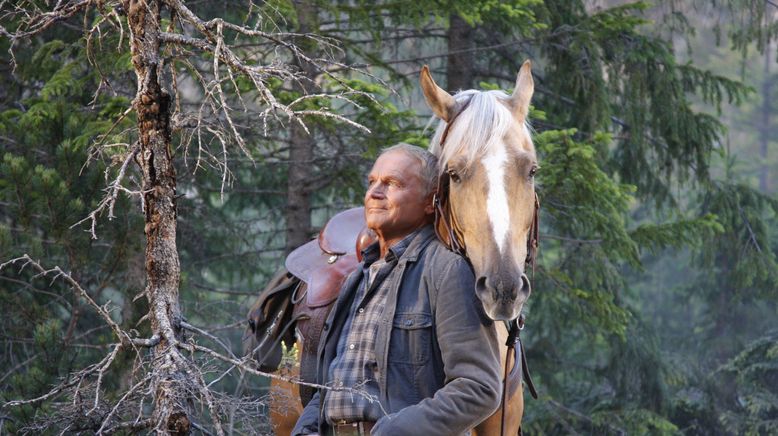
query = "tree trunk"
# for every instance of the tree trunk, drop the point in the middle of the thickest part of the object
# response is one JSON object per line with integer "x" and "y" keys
{"x": 461, "y": 59}
{"x": 301, "y": 146}
{"x": 159, "y": 198}
{"x": 764, "y": 128}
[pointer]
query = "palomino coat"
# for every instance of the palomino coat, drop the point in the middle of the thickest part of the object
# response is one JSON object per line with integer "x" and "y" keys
{"x": 437, "y": 353}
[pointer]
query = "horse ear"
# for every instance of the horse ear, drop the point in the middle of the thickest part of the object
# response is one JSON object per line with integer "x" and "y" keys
{"x": 440, "y": 101}
{"x": 522, "y": 94}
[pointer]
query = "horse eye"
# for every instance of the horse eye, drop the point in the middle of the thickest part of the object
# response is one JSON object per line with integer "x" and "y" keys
{"x": 453, "y": 175}
{"x": 533, "y": 170}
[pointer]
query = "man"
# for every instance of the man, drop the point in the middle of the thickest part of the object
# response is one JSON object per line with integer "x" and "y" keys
{"x": 407, "y": 332}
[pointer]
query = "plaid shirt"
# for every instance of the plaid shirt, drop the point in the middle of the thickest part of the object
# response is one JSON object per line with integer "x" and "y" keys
{"x": 355, "y": 365}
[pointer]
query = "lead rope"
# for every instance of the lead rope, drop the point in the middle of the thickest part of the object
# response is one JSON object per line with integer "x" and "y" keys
{"x": 504, "y": 390}
{"x": 513, "y": 337}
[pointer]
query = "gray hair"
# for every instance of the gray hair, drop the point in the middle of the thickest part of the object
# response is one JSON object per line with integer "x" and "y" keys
{"x": 428, "y": 161}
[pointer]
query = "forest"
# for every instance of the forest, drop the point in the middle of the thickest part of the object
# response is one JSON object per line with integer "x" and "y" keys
{"x": 161, "y": 157}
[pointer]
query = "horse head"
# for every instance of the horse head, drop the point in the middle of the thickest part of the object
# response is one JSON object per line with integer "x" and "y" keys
{"x": 485, "y": 152}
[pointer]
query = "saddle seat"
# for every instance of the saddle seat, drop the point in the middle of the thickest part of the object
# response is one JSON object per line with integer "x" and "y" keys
{"x": 324, "y": 263}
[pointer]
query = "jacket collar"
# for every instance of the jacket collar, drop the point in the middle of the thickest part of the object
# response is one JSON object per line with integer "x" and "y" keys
{"x": 423, "y": 237}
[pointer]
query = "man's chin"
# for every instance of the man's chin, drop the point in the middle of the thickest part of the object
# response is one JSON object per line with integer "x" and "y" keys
{"x": 374, "y": 217}
{"x": 373, "y": 224}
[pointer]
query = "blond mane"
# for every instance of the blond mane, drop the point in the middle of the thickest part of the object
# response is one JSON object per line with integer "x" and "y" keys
{"x": 483, "y": 124}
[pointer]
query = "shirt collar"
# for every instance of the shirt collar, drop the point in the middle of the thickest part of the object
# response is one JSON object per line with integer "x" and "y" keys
{"x": 373, "y": 251}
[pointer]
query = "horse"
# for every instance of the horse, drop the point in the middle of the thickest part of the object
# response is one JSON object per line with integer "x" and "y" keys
{"x": 486, "y": 157}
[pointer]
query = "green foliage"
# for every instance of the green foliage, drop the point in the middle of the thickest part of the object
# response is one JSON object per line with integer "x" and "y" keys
{"x": 750, "y": 405}
{"x": 638, "y": 421}
{"x": 743, "y": 255}
{"x": 753, "y": 25}
{"x": 656, "y": 145}
{"x": 678, "y": 234}
{"x": 516, "y": 12}
{"x": 571, "y": 178}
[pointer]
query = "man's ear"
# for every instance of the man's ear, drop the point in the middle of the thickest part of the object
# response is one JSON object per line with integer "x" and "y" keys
{"x": 429, "y": 209}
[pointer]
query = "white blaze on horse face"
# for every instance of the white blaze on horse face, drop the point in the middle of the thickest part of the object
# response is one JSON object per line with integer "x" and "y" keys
{"x": 497, "y": 199}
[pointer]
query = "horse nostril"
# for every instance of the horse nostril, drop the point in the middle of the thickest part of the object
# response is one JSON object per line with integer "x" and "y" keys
{"x": 480, "y": 285}
{"x": 252, "y": 326}
{"x": 526, "y": 288}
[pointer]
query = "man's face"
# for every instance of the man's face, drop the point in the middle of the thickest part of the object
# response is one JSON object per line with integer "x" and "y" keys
{"x": 395, "y": 201}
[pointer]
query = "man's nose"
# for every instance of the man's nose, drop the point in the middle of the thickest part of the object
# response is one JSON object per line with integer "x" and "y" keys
{"x": 378, "y": 190}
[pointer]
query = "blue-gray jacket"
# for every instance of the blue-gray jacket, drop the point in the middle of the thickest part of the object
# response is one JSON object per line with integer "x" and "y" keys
{"x": 437, "y": 353}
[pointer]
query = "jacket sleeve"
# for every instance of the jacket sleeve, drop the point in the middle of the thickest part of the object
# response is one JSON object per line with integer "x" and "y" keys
{"x": 308, "y": 423}
{"x": 470, "y": 354}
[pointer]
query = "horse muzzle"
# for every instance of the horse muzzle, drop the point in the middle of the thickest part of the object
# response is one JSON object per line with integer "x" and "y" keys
{"x": 502, "y": 296}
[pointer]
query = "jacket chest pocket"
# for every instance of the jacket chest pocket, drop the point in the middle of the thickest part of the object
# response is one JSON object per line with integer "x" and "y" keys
{"x": 411, "y": 340}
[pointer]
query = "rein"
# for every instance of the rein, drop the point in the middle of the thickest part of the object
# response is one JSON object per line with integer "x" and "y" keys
{"x": 454, "y": 241}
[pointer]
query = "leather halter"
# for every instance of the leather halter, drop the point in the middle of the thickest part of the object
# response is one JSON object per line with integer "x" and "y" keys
{"x": 440, "y": 200}
{"x": 455, "y": 243}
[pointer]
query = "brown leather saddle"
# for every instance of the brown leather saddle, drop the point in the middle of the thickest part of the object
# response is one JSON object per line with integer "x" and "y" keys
{"x": 324, "y": 263}
{"x": 300, "y": 296}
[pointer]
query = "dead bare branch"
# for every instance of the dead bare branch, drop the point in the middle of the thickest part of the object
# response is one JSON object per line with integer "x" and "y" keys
{"x": 57, "y": 273}
{"x": 107, "y": 418}
{"x": 112, "y": 191}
